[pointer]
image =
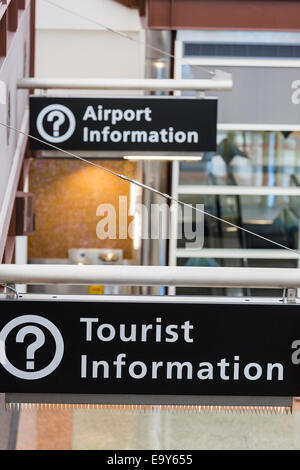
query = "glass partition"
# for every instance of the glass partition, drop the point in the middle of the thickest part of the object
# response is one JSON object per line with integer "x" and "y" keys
{"x": 272, "y": 217}
{"x": 248, "y": 158}
{"x": 252, "y": 181}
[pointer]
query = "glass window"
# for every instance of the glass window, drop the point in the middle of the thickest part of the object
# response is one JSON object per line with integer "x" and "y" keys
{"x": 252, "y": 181}
{"x": 270, "y": 216}
{"x": 248, "y": 158}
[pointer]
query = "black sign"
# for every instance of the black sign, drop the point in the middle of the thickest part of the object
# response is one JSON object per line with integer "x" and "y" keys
{"x": 160, "y": 348}
{"x": 146, "y": 124}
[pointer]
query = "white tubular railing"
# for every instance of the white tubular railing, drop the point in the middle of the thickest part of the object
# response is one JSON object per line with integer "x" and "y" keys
{"x": 150, "y": 276}
{"x": 217, "y": 84}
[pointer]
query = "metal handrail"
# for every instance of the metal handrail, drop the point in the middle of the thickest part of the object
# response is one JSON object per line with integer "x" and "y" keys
{"x": 216, "y": 84}
{"x": 150, "y": 275}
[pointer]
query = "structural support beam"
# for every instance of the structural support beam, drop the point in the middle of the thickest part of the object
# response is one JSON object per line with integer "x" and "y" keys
{"x": 226, "y": 14}
{"x": 150, "y": 276}
{"x": 220, "y": 82}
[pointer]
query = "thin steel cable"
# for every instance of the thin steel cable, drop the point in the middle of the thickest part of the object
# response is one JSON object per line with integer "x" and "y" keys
{"x": 126, "y": 36}
{"x": 149, "y": 188}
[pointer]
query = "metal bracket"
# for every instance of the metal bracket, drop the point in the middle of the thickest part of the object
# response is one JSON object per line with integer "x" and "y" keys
{"x": 290, "y": 295}
{"x": 10, "y": 291}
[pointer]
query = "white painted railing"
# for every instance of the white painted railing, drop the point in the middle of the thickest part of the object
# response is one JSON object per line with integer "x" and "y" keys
{"x": 217, "y": 84}
{"x": 150, "y": 276}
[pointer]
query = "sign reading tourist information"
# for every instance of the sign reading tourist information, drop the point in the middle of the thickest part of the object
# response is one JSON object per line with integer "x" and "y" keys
{"x": 133, "y": 347}
{"x": 146, "y": 124}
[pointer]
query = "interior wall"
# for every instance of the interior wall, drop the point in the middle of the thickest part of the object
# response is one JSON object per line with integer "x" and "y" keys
{"x": 77, "y": 40}
{"x": 90, "y": 54}
{"x": 13, "y": 112}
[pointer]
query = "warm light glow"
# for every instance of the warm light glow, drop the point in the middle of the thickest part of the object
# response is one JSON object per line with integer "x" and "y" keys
{"x": 159, "y": 64}
{"x": 162, "y": 157}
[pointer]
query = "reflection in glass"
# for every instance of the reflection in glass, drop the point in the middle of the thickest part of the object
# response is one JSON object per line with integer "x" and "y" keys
{"x": 247, "y": 158}
{"x": 279, "y": 223}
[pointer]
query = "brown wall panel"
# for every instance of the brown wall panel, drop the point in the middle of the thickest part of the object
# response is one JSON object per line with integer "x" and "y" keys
{"x": 3, "y": 34}
{"x": 159, "y": 14}
{"x": 224, "y": 14}
{"x": 21, "y": 4}
{"x": 13, "y": 16}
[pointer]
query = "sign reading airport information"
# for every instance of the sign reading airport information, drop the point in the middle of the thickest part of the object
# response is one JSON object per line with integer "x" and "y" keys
{"x": 146, "y": 124}
{"x": 160, "y": 348}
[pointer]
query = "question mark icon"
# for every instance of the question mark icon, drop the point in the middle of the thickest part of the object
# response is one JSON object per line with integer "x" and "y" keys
{"x": 33, "y": 347}
{"x": 49, "y": 330}
{"x": 58, "y": 114}
{"x": 59, "y": 118}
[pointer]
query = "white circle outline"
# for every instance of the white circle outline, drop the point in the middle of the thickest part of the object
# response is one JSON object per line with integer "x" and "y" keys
{"x": 58, "y": 352}
{"x": 44, "y": 112}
